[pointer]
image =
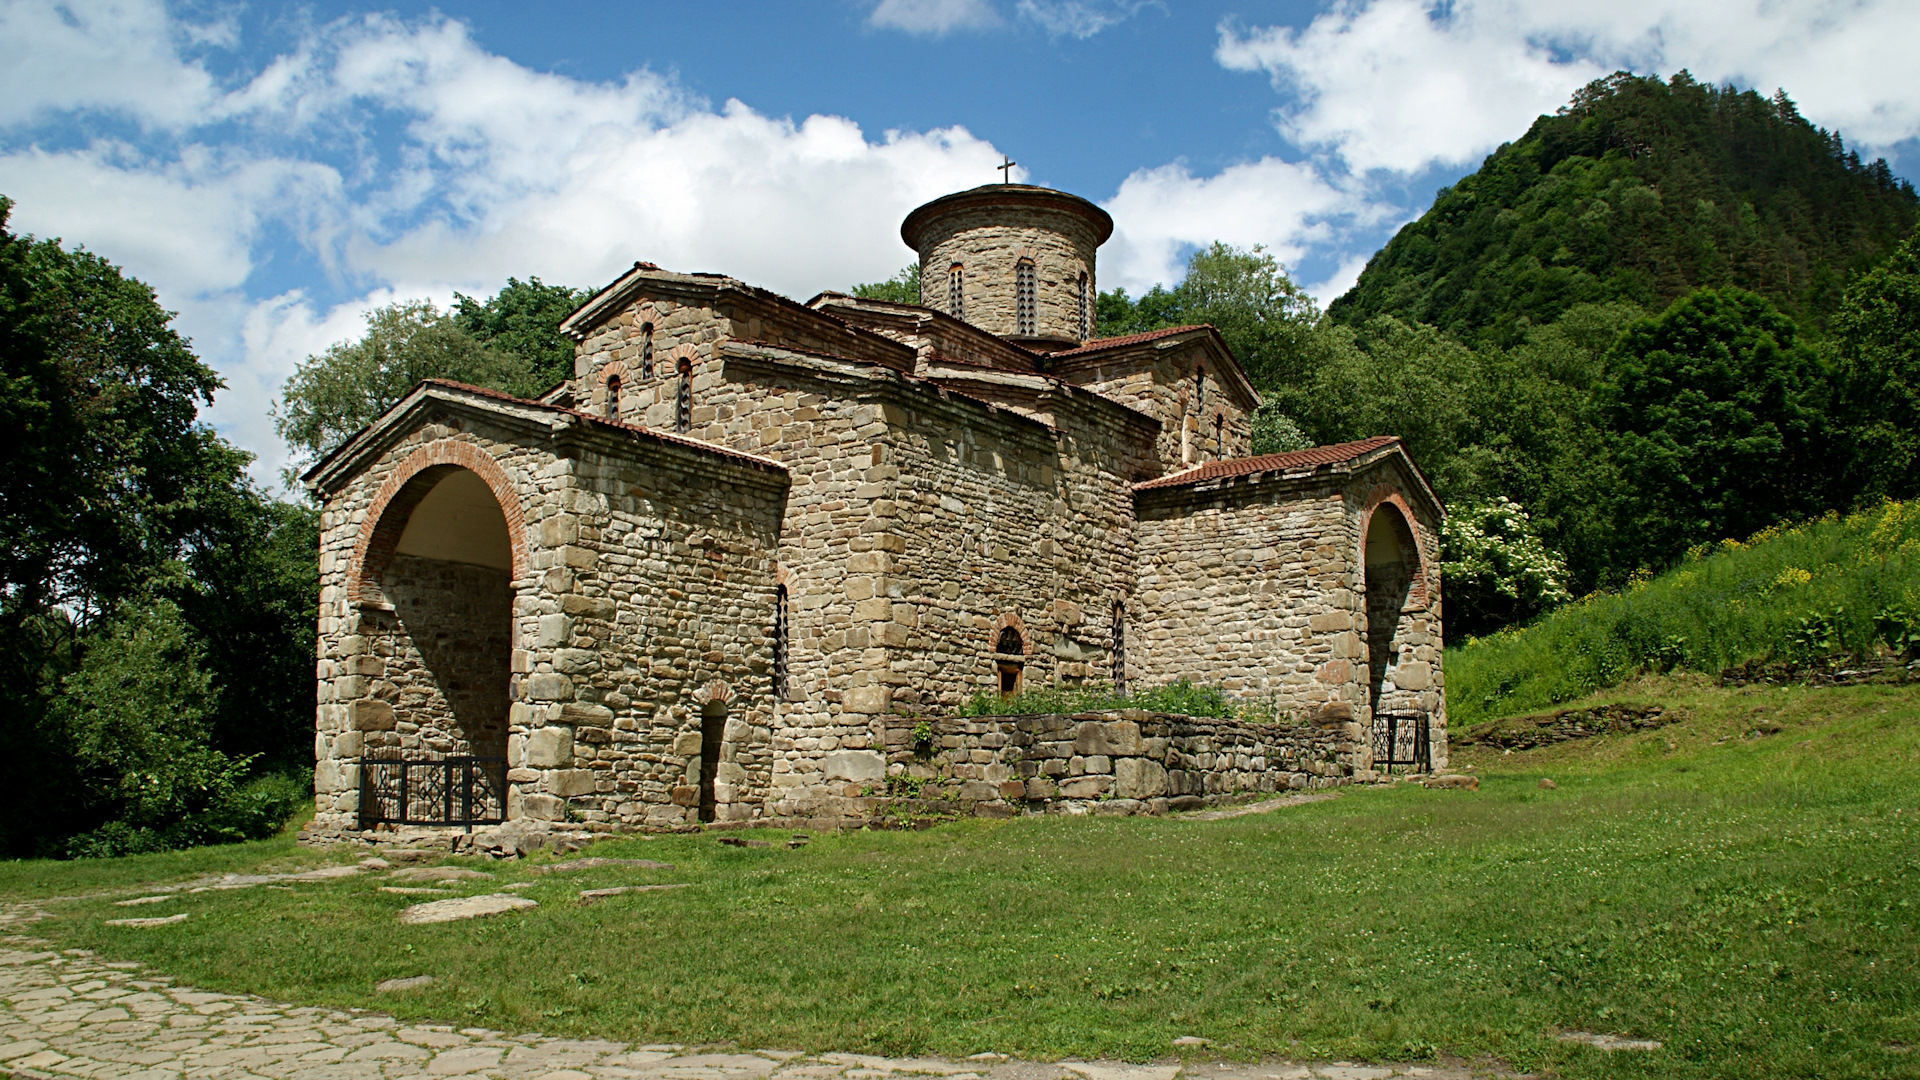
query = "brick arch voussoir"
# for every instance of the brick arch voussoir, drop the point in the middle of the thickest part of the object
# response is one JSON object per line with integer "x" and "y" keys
{"x": 1387, "y": 495}
{"x": 405, "y": 486}
{"x": 1009, "y": 619}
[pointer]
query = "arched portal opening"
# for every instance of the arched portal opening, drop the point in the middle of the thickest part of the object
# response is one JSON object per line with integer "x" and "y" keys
{"x": 1392, "y": 564}
{"x": 448, "y": 638}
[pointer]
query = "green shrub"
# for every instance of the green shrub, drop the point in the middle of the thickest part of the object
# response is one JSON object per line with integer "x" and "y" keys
{"x": 136, "y": 717}
{"x": 1828, "y": 587}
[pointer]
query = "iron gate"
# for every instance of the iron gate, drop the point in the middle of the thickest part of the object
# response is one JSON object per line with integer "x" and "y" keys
{"x": 1401, "y": 739}
{"x": 441, "y": 791}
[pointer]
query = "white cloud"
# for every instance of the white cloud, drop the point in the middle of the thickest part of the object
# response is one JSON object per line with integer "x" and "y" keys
{"x": 1161, "y": 214}
{"x": 1403, "y": 85}
{"x": 408, "y": 161}
{"x": 100, "y": 55}
{"x": 934, "y": 17}
{"x": 1081, "y": 18}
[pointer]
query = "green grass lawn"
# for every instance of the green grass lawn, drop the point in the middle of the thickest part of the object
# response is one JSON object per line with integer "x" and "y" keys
{"x": 1740, "y": 886}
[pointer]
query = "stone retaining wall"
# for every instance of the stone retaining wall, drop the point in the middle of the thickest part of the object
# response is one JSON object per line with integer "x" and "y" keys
{"x": 1126, "y": 761}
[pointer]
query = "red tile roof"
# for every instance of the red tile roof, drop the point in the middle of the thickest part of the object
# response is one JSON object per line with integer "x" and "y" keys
{"x": 1291, "y": 461}
{"x": 1098, "y": 344}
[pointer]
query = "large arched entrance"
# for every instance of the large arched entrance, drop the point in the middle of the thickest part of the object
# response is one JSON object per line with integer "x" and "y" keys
{"x": 435, "y": 592}
{"x": 449, "y": 583}
{"x": 1392, "y": 567}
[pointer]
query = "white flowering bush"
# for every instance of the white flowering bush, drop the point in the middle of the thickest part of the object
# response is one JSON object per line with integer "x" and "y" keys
{"x": 1494, "y": 569}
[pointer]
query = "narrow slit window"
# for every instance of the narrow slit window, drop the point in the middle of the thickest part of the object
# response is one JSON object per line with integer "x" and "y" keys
{"x": 956, "y": 291}
{"x": 613, "y": 397}
{"x": 1120, "y": 649}
{"x": 1220, "y": 435}
{"x": 683, "y": 401}
{"x": 1085, "y": 309}
{"x": 780, "y": 643}
{"x": 646, "y": 351}
{"x": 1023, "y": 299}
{"x": 1199, "y": 390}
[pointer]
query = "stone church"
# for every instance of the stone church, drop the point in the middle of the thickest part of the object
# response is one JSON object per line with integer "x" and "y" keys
{"x": 706, "y": 578}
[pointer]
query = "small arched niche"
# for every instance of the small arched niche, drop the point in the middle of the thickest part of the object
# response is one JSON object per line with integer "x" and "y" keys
{"x": 448, "y": 649}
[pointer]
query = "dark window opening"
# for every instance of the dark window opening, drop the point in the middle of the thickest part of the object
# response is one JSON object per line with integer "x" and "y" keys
{"x": 613, "y": 397}
{"x": 1086, "y": 312}
{"x": 1013, "y": 648}
{"x": 1120, "y": 649}
{"x": 683, "y": 401}
{"x": 1199, "y": 390}
{"x": 780, "y": 643}
{"x": 1220, "y": 435}
{"x": 646, "y": 351}
{"x": 713, "y": 727}
{"x": 956, "y": 292}
{"x": 1024, "y": 287}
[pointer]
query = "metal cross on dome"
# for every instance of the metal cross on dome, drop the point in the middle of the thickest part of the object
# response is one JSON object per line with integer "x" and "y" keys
{"x": 1006, "y": 169}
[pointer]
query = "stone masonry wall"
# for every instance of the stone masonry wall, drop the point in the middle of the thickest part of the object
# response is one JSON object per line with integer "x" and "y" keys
{"x": 1119, "y": 762}
{"x": 441, "y": 657}
{"x": 1160, "y": 383}
{"x": 1250, "y": 589}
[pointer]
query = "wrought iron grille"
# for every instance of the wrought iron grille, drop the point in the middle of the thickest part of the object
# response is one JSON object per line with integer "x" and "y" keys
{"x": 1401, "y": 739}
{"x": 441, "y": 791}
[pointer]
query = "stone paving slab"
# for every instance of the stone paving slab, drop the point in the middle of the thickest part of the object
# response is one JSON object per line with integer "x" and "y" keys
{"x": 70, "y": 1013}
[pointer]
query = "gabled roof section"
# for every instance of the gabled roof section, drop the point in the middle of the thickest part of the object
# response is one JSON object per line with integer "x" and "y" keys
{"x": 1102, "y": 351}
{"x": 332, "y": 471}
{"x": 718, "y": 290}
{"x": 935, "y": 334}
{"x": 1337, "y": 458}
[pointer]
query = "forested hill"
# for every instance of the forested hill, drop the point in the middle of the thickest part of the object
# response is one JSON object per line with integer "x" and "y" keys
{"x": 1641, "y": 190}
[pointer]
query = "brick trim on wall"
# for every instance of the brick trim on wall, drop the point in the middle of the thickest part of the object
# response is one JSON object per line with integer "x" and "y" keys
{"x": 406, "y": 485}
{"x": 1417, "y": 594}
{"x": 1006, "y": 619}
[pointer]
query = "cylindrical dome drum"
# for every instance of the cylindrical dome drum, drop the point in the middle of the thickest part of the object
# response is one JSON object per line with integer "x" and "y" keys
{"x": 1012, "y": 259}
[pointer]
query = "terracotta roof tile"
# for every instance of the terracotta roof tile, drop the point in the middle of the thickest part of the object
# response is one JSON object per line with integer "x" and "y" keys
{"x": 1313, "y": 457}
{"x": 1097, "y": 344}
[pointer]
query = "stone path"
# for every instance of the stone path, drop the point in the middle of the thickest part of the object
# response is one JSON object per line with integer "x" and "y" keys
{"x": 71, "y": 1013}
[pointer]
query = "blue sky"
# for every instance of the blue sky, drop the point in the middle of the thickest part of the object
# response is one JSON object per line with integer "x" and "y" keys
{"x": 275, "y": 171}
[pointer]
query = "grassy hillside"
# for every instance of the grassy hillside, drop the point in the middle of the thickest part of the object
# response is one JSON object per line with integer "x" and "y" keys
{"x": 1641, "y": 191}
{"x": 1833, "y": 586}
{"x": 1743, "y": 898}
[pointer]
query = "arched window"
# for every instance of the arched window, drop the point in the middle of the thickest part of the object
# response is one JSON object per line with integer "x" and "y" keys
{"x": 1119, "y": 648}
{"x": 1220, "y": 435}
{"x": 956, "y": 291}
{"x": 1086, "y": 309}
{"x": 1023, "y": 298}
{"x": 613, "y": 397}
{"x": 1199, "y": 390}
{"x": 646, "y": 351}
{"x": 683, "y": 401}
{"x": 780, "y": 643}
{"x": 1010, "y": 661}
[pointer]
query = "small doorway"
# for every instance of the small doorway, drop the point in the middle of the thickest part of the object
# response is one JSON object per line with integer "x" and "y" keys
{"x": 713, "y": 728}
